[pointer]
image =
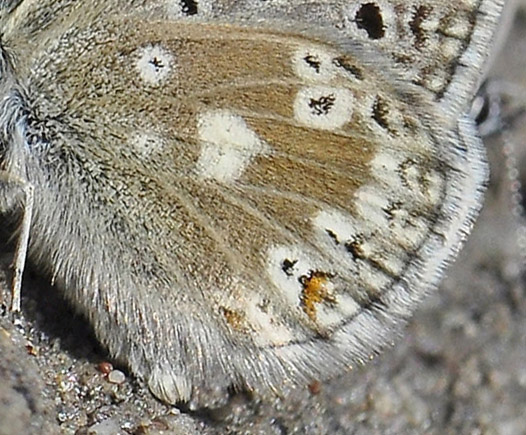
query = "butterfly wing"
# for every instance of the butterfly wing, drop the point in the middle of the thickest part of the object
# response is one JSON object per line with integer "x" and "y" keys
{"x": 237, "y": 204}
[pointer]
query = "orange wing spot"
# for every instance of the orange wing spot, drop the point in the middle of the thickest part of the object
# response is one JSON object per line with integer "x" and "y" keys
{"x": 316, "y": 290}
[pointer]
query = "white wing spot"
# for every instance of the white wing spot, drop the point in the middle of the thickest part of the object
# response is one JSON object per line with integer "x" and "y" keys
{"x": 337, "y": 223}
{"x": 228, "y": 145}
{"x": 330, "y": 316}
{"x": 285, "y": 266}
{"x": 154, "y": 64}
{"x": 307, "y": 285}
{"x": 372, "y": 278}
{"x": 146, "y": 144}
{"x": 409, "y": 231}
{"x": 458, "y": 27}
{"x": 269, "y": 330}
{"x": 323, "y": 107}
{"x": 385, "y": 168}
{"x": 450, "y": 48}
{"x": 314, "y": 64}
{"x": 370, "y": 205}
{"x": 411, "y": 174}
{"x": 435, "y": 187}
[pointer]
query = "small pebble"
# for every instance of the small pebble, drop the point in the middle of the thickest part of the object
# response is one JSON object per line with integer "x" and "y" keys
{"x": 315, "y": 387}
{"x": 116, "y": 377}
{"x": 106, "y": 427}
{"x": 105, "y": 367}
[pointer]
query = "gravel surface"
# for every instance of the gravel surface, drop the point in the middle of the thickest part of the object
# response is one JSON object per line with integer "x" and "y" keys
{"x": 459, "y": 368}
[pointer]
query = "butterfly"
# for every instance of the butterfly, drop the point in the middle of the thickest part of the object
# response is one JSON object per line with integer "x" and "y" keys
{"x": 245, "y": 193}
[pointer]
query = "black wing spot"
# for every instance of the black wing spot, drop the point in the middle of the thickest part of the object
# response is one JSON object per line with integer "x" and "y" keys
{"x": 313, "y": 62}
{"x": 323, "y": 105}
{"x": 369, "y": 18}
{"x": 287, "y": 266}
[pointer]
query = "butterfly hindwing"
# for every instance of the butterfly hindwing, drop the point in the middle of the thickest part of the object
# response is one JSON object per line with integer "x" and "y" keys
{"x": 240, "y": 201}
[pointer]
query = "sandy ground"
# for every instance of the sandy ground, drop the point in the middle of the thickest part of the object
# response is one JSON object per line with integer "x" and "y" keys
{"x": 460, "y": 368}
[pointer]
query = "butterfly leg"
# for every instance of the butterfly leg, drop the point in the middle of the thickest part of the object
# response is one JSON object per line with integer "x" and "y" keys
{"x": 19, "y": 260}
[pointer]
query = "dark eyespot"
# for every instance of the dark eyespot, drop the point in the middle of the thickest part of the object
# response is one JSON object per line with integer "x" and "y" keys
{"x": 369, "y": 18}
